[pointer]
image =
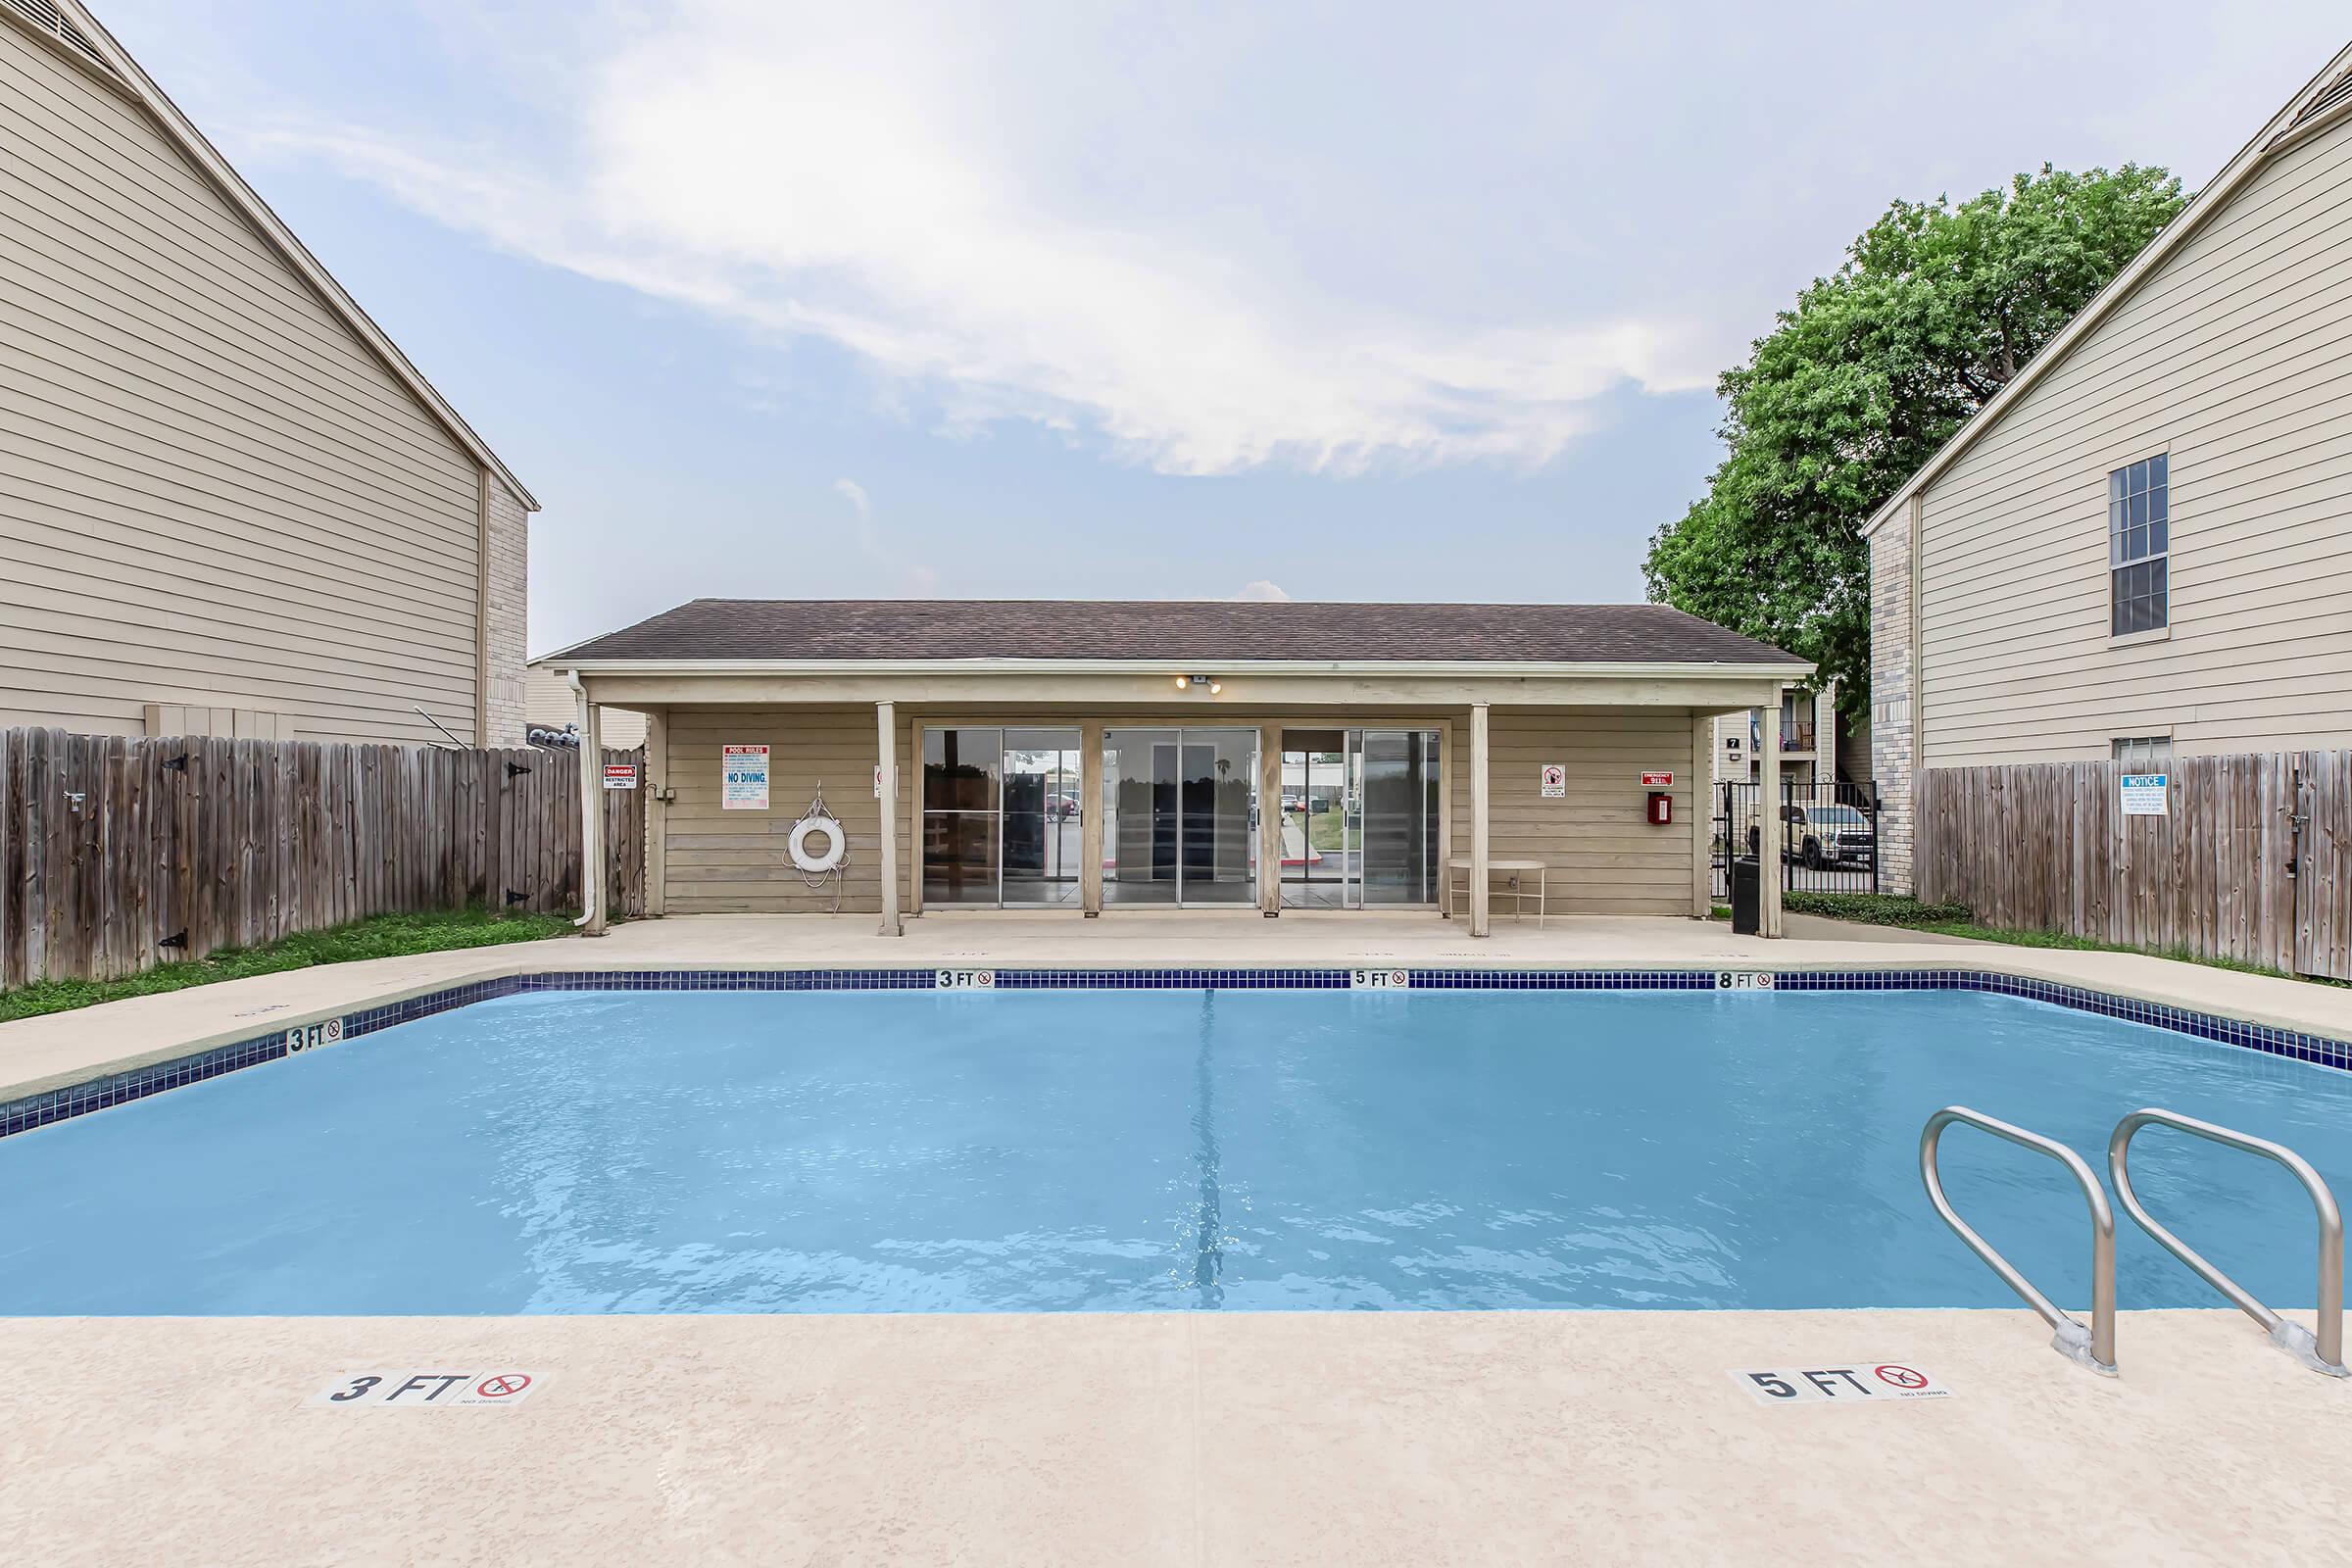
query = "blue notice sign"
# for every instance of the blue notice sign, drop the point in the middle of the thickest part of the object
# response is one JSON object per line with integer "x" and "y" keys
{"x": 2145, "y": 794}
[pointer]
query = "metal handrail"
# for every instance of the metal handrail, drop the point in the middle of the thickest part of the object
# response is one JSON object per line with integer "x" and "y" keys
{"x": 2092, "y": 1347}
{"x": 2322, "y": 1352}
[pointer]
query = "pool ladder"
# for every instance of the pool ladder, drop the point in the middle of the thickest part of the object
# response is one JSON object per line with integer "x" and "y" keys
{"x": 2093, "y": 1344}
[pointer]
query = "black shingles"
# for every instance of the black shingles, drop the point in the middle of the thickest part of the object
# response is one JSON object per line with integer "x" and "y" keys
{"x": 1207, "y": 631}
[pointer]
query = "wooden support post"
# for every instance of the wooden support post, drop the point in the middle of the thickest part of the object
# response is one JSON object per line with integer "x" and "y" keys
{"x": 592, "y": 816}
{"x": 1702, "y": 812}
{"x": 1480, "y": 792}
{"x": 1269, "y": 820}
{"x": 886, "y": 725}
{"x": 1093, "y": 791}
{"x": 1769, "y": 826}
{"x": 1449, "y": 763}
{"x": 657, "y": 811}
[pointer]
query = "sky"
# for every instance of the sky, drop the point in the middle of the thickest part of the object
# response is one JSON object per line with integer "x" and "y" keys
{"x": 1320, "y": 301}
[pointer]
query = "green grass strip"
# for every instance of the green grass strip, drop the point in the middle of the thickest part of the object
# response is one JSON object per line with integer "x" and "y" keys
{"x": 384, "y": 936}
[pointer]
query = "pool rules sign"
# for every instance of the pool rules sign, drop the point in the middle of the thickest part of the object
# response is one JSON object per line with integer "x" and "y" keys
{"x": 743, "y": 781}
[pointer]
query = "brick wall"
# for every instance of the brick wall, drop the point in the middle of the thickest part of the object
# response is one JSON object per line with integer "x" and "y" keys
{"x": 1891, "y": 691}
{"x": 510, "y": 589}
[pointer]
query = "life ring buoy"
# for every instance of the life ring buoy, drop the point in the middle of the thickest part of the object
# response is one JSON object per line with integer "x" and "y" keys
{"x": 837, "y": 844}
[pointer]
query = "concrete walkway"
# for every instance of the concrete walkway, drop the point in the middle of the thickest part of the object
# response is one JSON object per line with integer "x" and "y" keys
{"x": 38, "y": 1053}
{"x": 1361, "y": 1439}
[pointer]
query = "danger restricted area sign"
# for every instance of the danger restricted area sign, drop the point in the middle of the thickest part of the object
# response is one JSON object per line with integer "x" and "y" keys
{"x": 435, "y": 1389}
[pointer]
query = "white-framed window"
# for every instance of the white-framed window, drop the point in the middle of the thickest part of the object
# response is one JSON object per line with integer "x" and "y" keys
{"x": 2138, "y": 547}
{"x": 2141, "y": 751}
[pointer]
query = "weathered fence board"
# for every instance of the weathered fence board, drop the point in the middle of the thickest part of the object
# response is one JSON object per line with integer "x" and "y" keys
{"x": 117, "y": 855}
{"x": 2251, "y": 862}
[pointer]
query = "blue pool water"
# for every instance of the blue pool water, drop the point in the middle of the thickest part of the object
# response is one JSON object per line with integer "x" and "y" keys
{"x": 916, "y": 1151}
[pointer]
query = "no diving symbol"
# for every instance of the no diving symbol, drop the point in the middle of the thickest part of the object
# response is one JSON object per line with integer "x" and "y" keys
{"x": 509, "y": 1383}
{"x": 1900, "y": 1377}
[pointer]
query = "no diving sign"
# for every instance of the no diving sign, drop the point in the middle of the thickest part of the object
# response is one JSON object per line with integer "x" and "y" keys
{"x": 1849, "y": 1383}
{"x": 427, "y": 1390}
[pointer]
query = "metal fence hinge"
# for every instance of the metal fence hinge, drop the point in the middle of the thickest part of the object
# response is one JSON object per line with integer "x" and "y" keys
{"x": 514, "y": 898}
{"x": 513, "y": 768}
{"x": 177, "y": 938}
{"x": 177, "y": 765}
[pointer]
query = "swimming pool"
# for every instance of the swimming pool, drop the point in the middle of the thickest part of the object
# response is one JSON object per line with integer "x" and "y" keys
{"x": 914, "y": 1151}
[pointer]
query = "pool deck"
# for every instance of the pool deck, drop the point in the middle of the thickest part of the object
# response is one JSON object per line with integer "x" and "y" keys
{"x": 1226, "y": 1438}
{"x": 49, "y": 1053}
{"x": 1359, "y": 1438}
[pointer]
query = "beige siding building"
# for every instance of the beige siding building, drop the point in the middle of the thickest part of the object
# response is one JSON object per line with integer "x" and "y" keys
{"x": 1816, "y": 745}
{"x": 228, "y": 504}
{"x": 1476, "y": 762}
{"x": 2143, "y": 545}
{"x": 549, "y": 704}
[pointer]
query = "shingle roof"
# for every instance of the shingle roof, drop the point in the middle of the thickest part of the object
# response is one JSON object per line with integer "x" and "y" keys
{"x": 1205, "y": 632}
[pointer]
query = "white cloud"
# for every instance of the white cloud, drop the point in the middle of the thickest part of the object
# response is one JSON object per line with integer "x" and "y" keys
{"x": 854, "y": 493}
{"x": 905, "y": 189}
{"x": 1235, "y": 236}
{"x": 1262, "y": 591}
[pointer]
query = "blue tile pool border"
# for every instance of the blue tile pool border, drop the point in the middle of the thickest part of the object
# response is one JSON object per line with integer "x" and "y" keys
{"x": 99, "y": 1094}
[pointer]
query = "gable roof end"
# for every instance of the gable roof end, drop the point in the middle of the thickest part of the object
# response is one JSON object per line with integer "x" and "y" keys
{"x": 2321, "y": 101}
{"x": 67, "y": 27}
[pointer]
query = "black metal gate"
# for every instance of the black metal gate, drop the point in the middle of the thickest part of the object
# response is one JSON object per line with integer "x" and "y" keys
{"x": 1829, "y": 834}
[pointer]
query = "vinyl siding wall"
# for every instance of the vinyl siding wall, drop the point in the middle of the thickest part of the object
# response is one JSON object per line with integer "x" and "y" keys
{"x": 211, "y": 493}
{"x": 547, "y": 698}
{"x": 722, "y": 861}
{"x": 1604, "y": 856}
{"x": 2235, "y": 357}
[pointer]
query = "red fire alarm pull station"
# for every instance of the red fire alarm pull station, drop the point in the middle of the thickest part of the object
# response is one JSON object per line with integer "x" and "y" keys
{"x": 1661, "y": 804}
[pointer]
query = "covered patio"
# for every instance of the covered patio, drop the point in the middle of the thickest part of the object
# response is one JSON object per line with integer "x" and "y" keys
{"x": 1474, "y": 764}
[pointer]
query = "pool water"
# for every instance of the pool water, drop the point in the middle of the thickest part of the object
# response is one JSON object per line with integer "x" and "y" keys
{"x": 913, "y": 1151}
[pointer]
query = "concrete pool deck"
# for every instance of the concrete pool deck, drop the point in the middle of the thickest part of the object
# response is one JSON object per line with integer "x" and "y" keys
{"x": 1217, "y": 1437}
{"x": 1585, "y": 1436}
{"x": 60, "y": 1049}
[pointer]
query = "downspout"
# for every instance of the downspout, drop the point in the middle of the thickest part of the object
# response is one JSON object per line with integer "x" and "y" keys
{"x": 592, "y": 876}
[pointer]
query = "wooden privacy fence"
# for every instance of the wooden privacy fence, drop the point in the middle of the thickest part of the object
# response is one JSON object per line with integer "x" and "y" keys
{"x": 2252, "y": 858}
{"x": 119, "y": 853}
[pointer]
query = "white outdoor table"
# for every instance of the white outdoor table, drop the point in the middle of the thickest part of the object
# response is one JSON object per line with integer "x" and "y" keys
{"x": 1518, "y": 893}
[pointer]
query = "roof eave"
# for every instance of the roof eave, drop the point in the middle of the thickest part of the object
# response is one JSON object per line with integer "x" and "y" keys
{"x": 1784, "y": 669}
{"x": 2270, "y": 140}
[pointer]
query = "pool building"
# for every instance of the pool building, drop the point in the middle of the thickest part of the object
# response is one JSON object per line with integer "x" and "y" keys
{"x": 1468, "y": 761}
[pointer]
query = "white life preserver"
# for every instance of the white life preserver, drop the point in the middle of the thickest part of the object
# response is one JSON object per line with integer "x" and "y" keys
{"x": 837, "y": 844}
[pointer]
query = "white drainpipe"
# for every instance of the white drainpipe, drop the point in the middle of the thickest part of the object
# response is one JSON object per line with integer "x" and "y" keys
{"x": 591, "y": 875}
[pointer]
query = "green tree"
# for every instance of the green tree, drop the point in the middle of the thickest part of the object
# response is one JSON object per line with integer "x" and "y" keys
{"x": 1936, "y": 309}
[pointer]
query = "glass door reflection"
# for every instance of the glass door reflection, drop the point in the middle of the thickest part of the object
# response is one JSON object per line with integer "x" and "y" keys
{"x": 1179, "y": 809}
{"x": 1396, "y": 776}
{"x": 1002, "y": 818}
{"x": 1044, "y": 818}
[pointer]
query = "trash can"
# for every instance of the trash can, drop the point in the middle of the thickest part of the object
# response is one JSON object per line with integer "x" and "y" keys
{"x": 1748, "y": 896}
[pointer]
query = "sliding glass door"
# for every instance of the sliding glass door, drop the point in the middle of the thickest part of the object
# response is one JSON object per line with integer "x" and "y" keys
{"x": 1002, "y": 817}
{"x": 1179, "y": 816}
{"x": 1359, "y": 825}
{"x": 1044, "y": 824}
{"x": 1396, "y": 804}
